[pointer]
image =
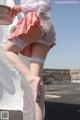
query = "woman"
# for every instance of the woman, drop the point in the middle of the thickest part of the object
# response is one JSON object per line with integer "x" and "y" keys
{"x": 37, "y": 51}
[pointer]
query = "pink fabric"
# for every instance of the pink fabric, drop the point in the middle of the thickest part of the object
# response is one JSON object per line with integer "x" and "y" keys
{"x": 24, "y": 26}
{"x": 27, "y": 51}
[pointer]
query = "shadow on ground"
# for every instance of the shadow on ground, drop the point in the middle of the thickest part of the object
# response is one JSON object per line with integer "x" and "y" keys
{"x": 62, "y": 111}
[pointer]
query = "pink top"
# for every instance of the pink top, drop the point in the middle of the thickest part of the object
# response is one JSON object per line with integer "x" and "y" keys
{"x": 35, "y": 4}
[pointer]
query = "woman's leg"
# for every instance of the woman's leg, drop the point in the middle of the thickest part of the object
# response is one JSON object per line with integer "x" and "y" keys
{"x": 34, "y": 74}
{"x": 11, "y": 51}
{"x": 39, "y": 53}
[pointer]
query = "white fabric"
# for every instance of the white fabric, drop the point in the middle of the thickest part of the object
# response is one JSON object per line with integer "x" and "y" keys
{"x": 19, "y": 43}
{"x": 37, "y": 59}
{"x": 4, "y": 30}
{"x": 28, "y": 5}
{"x": 15, "y": 91}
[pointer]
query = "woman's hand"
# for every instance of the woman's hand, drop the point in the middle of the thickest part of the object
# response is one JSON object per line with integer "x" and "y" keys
{"x": 15, "y": 10}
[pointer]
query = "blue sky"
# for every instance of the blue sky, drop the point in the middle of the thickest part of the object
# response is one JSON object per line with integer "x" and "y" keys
{"x": 66, "y": 19}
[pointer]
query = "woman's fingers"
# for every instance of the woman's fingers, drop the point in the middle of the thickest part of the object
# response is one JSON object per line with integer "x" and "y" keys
{"x": 12, "y": 13}
{"x": 17, "y": 9}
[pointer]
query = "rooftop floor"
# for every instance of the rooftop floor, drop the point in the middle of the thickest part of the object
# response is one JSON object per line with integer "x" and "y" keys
{"x": 62, "y": 101}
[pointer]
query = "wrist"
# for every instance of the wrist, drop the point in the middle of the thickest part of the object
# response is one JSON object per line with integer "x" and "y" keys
{"x": 17, "y": 9}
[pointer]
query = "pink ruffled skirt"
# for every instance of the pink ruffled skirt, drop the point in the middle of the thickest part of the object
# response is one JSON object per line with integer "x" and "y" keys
{"x": 25, "y": 25}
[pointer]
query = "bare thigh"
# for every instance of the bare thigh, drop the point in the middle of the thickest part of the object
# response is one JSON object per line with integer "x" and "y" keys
{"x": 40, "y": 51}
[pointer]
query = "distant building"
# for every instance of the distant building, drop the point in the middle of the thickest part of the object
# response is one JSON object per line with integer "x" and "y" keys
{"x": 61, "y": 74}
